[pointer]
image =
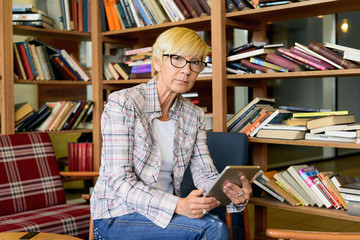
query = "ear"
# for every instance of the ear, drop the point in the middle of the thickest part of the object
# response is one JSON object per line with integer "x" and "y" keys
{"x": 156, "y": 64}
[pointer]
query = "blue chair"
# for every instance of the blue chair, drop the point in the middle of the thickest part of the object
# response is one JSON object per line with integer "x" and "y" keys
{"x": 225, "y": 149}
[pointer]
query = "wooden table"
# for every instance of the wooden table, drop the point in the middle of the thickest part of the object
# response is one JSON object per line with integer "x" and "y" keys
{"x": 40, "y": 236}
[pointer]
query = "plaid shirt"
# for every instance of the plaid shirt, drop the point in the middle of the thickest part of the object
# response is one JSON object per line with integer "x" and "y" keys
{"x": 131, "y": 161}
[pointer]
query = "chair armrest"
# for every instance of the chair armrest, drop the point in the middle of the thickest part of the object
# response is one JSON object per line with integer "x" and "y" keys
{"x": 85, "y": 174}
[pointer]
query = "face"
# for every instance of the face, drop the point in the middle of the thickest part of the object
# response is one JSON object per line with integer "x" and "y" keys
{"x": 175, "y": 80}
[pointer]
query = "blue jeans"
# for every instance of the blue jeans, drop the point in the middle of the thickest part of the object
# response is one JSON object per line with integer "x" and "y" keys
{"x": 136, "y": 226}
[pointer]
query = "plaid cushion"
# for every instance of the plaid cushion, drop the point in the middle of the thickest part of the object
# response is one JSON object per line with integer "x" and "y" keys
{"x": 29, "y": 176}
{"x": 68, "y": 219}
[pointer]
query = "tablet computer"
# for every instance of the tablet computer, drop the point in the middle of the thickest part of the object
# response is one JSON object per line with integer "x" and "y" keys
{"x": 230, "y": 174}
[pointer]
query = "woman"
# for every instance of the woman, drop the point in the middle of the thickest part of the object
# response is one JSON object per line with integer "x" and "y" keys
{"x": 150, "y": 135}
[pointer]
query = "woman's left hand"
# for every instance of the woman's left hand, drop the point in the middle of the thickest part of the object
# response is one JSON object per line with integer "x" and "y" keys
{"x": 238, "y": 195}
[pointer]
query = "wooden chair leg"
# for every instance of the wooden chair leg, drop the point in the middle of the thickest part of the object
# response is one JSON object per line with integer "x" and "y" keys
{"x": 228, "y": 221}
{"x": 91, "y": 230}
{"x": 246, "y": 223}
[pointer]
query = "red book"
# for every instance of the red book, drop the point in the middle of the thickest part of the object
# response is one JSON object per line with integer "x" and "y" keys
{"x": 308, "y": 57}
{"x": 81, "y": 147}
{"x": 256, "y": 123}
{"x": 65, "y": 68}
{"x": 283, "y": 62}
{"x": 72, "y": 163}
{"x": 205, "y": 6}
{"x": 89, "y": 156}
{"x": 26, "y": 62}
{"x": 190, "y": 8}
{"x": 323, "y": 51}
{"x": 75, "y": 14}
{"x": 263, "y": 69}
{"x": 81, "y": 15}
{"x": 199, "y": 11}
{"x": 182, "y": 9}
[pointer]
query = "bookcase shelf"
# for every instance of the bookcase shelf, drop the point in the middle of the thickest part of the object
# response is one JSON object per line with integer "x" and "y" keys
{"x": 138, "y": 81}
{"x": 52, "y": 82}
{"x": 331, "y": 213}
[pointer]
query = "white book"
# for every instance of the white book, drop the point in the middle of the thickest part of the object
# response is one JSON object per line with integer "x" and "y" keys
{"x": 341, "y": 48}
{"x": 293, "y": 170}
{"x": 37, "y": 64}
{"x": 308, "y": 51}
{"x": 167, "y": 11}
{"x": 249, "y": 54}
{"x": 54, "y": 11}
{"x": 344, "y": 134}
{"x": 324, "y": 137}
{"x": 40, "y": 52}
{"x": 267, "y": 120}
{"x": 171, "y": 10}
{"x": 134, "y": 13}
{"x": 176, "y": 9}
{"x": 285, "y": 127}
{"x": 67, "y": 15}
{"x": 332, "y": 127}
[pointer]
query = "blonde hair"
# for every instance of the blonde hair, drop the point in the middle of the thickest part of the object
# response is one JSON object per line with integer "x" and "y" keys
{"x": 181, "y": 41}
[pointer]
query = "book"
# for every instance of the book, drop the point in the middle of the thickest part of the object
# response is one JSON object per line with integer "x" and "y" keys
{"x": 25, "y": 61}
{"x": 316, "y": 55}
{"x": 319, "y": 113}
{"x": 330, "y": 120}
{"x": 75, "y": 65}
{"x": 331, "y": 127}
{"x": 82, "y": 114}
{"x": 246, "y": 46}
{"x": 320, "y": 49}
{"x": 280, "y": 126}
{"x": 303, "y": 109}
{"x": 281, "y": 134}
{"x": 248, "y": 54}
{"x": 32, "y": 17}
{"x": 71, "y": 114}
{"x": 261, "y": 183}
{"x": 263, "y": 116}
{"x": 273, "y": 3}
{"x": 37, "y": 64}
{"x": 241, "y": 113}
{"x": 283, "y": 62}
{"x": 36, "y": 119}
{"x": 199, "y": 11}
{"x": 335, "y": 194}
{"x": 279, "y": 190}
{"x": 19, "y": 67}
{"x": 296, "y": 121}
{"x": 22, "y": 110}
{"x": 266, "y": 121}
{"x": 190, "y": 8}
{"x": 123, "y": 69}
{"x": 65, "y": 72}
{"x": 256, "y": 67}
{"x": 205, "y": 6}
{"x": 253, "y": 3}
{"x": 326, "y": 193}
{"x": 239, "y": 4}
{"x": 60, "y": 117}
{"x": 312, "y": 58}
{"x": 309, "y": 174}
{"x": 142, "y": 12}
{"x": 292, "y": 189}
{"x": 241, "y": 122}
{"x": 53, "y": 107}
{"x": 354, "y": 208}
{"x": 341, "y": 48}
{"x": 113, "y": 71}
{"x": 293, "y": 171}
{"x": 262, "y": 62}
{"x": 301, "y": 59}
{"x": 341, "y": 133}
{"x": 324, "y": 137}
{"x": 138, "y": 50}
{"x": 353, "y": 188}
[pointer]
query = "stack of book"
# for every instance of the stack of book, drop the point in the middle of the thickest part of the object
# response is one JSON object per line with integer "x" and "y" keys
{"x": 349, "y": 188}
{"x": 265, "y": 58}
{"x": 80, "y": 156}
{"x": 36, "y": 60}
{"x": 27, "y": 15}
{"x": 307, "y": 186}
{"x": 123, "y": 14}
{"x": 140, "y": 62}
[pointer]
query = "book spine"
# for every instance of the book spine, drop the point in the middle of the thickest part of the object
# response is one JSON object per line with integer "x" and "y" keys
{"x": 31, "y": 58}
{"x": 19, "y": 65}
{"x": 89, "y": 156}
{"x": 330, "y": 189}
{"x": 302, "y": 64}
{"x": 172, "y": 14}
{"x": 109, "y": 15}
{"x": 40, "y": 51}
{"x": 237, "y": 120}
{"x": 82, "y": 114}
{"x": 190, "y": 8}
{"x": 282, "y": 62}
{"x": 327, "y": 195}
{"x": 320, "y": 49}
{"x": 240, "y": 4}
{"x": 268, "y": 190}
{"x": 149, "y": 12}
{"x": 25, "y": 61}
{"x": 129, "y": 13}
{"x": 199, "y": 11}
{"x": 182, "y": 9}
{"x": 267, "y": 64}
{"x": 230, "y": 6}
{"x": 249, "y": 64}
{"x": 268, "y": 4}
{"x": 142, "y": 13}
{"x": 263, "y": 123}
{"x": 66, "y": 68}
{"x": 311, "y": 58}
{"x": 257, "y": 123}
{"x": 301, "y": 59}
{"x": 205, "y": 6}
{"x": 138, "y": 50}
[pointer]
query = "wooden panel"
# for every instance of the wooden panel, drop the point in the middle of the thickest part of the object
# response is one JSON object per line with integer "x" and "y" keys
{"x": 6, "y": 68}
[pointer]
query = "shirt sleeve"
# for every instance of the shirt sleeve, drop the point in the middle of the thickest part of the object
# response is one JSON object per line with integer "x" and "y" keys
{"x": 117, "y": 157}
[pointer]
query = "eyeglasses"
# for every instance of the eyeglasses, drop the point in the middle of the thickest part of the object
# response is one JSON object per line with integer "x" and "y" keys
{"x": 180, "y": 62}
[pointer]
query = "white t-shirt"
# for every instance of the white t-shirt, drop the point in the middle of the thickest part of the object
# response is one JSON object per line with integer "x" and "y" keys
{"x": 164, "y": 134}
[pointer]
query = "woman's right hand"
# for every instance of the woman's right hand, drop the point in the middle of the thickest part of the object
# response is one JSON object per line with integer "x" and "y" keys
{"x": 194, "y": 204}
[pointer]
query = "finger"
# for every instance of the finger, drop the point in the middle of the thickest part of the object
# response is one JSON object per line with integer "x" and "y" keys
{"x": 197, "y": 192}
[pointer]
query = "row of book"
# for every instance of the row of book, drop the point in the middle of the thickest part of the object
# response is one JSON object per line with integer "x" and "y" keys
{"x": 36, "y": 60}
{"x": 52, "y": 116}
{"x": 80, "y": 156}
{"x": 261, "y": 119}
{"x": 303, "y": 185}
{"x": 71, "y": 15}
{"x": 138, "y": 65}
{"x": 260, "y": 57}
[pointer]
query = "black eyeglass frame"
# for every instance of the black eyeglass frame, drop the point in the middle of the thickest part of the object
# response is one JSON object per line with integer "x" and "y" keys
{"x": 186, "y": 62}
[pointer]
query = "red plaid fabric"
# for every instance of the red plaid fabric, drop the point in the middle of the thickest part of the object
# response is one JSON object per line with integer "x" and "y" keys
{"x": 68, "y": 219}
{"x": 29, "y": 176}
{"x": 31, "y": 194}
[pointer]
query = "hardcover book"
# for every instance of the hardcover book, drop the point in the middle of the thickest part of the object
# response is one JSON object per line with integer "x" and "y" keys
{"x": 283, "y": 62}
{"x": 262, "y": 62}
{"x": 248, "y": 54}
{"x": 330, "y": 120}
{"x": 281, "y": 134}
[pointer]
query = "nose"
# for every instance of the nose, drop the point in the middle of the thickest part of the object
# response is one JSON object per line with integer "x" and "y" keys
{"x": 186, "y": 69}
